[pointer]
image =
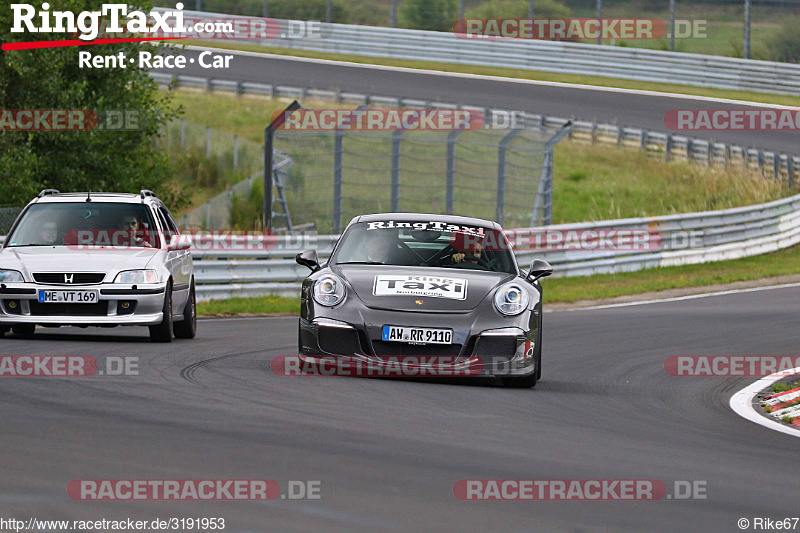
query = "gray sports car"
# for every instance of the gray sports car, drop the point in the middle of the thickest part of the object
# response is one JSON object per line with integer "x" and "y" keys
{"x": 445, "y": 291}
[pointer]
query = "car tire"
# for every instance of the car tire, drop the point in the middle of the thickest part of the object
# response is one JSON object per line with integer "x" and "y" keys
{"x": 26, "y": 331}
{"x": 163, "y": 332}
{"x": 187, "y": 328}
{"x": 520, "y": 382}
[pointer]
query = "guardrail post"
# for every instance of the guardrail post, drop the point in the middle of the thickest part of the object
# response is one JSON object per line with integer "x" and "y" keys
{"x": 790, "y": 169}
{"x": 338, "y": 143}
{"x": 644, "y": 140}
{"x": 776, "y": 166}
{"x": 396, "y": 138}
{"x": 451, "y": 164}
{"x": 689, "y": 149}
{"x": 727, "y": 155}
{"x": 501, "y": 174}
{"x": 668, "y": 148}
{"x": 235, "y": 151}
{"x": 594, "y": 132}
{"x": 620, "y": 135}
{"x": 761, "y": 160}
{"x": 710, "y": 152}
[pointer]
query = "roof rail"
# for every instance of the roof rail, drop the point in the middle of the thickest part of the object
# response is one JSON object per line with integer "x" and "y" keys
{"x": 145, "y": 192}
{"x": 48, "y": 192}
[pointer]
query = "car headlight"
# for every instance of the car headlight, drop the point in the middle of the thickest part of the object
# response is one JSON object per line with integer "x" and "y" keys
{"x": 137, "y": 276}
{"x": 328, "y": 290}
{"x": 511, "y": 299}
{"x": 11, "y": 276}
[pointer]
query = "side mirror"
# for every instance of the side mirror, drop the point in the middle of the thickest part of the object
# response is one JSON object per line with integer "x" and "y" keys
{"x": 308, "y": 258}
{"x": 179, "y": 242}
{"x": 539, "y": 269}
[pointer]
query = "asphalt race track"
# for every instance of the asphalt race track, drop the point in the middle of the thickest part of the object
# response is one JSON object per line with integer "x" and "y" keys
{"x": 388, "y": 452}
{"x": 635, "y": 110}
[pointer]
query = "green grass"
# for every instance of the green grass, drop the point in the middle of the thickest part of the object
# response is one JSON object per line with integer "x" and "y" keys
{"x": 244, "y": 306}
{"x": 591, "y": 182}
{"x": 568, "y": 290}
{"x": 517, "y": 73}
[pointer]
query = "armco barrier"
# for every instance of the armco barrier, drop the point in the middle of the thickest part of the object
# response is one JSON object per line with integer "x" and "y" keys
{"x": 685, "y": 239}
{"x": 549, "y": 56}
{"x": 666, "y": 145}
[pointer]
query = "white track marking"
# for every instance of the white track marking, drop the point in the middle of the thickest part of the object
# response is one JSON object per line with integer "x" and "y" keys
{"x": 496, "y": 78}
{"x": 678, "y": 298}
{"x": 742, "y": 403}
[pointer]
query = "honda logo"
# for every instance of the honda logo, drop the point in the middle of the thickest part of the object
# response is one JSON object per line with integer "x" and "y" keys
{"x": 68, "y": 278}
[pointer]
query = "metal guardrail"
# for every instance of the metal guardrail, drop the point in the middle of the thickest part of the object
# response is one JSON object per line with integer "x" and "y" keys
{"x": 685, "y": 239}
{"x": 550, "y": 56}
{"x": 663, "y": 144}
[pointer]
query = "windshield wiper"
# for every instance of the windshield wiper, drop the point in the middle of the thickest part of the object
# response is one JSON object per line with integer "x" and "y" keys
{"x": 23, "y": 245}
{"x": 361, "y": 263}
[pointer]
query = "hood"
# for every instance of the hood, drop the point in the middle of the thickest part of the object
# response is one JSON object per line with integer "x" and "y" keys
{"x": 29, "y": 259}
{"x": 401, "y": 288}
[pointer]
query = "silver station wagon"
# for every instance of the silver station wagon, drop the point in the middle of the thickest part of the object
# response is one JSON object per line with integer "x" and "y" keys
{"x": 97, "y": 259}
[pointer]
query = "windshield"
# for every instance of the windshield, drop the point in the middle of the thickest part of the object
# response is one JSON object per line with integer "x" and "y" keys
{"x": 91, "y": 224}
{"x": 426, "y": 244}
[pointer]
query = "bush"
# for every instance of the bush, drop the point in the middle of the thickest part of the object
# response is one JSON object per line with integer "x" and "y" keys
{"x": 436, "y": 15}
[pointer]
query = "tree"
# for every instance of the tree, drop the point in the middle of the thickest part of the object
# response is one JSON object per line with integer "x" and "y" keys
{"x": 437, "y": 15}
{"x": 97, "y": 160}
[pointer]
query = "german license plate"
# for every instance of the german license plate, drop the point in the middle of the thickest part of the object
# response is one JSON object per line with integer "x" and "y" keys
{"x": 69, "y": 297}
{"x": 417, "y": 335}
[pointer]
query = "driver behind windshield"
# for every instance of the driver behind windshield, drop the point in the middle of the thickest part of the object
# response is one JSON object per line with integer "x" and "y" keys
{"x": 382, "y": 246}
{"x": 49, "y": 233}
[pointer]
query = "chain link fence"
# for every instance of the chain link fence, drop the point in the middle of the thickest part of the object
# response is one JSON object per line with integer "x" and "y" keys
{"x": 503, "y": 175}
{"x": 8, "y": 214}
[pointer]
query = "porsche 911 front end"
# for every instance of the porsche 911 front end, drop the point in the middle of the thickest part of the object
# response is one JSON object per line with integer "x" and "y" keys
{"x": 439, "y": 290}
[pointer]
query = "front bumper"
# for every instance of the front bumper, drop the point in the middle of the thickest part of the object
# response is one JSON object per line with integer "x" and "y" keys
{"x": 494, "y": 347}
{"x": 19, "y": 304}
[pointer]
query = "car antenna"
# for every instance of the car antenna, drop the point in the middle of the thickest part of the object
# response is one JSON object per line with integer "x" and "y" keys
{"x": 89, "y": 196}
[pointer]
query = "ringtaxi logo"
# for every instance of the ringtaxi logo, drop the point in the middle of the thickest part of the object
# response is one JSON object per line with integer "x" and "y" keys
{"x": 732, "y": 120}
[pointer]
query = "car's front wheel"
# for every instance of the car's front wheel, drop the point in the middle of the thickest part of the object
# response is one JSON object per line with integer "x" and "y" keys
{"x": 187, "y": 328}
{"x": 163, "y": 331}
{"x": 25, "y": 331}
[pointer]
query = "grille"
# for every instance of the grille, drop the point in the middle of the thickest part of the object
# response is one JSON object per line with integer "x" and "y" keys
{"x": 491, "y": 349}
{"x": 338, "y": 341}
{"x": 68, "y": 309}
{"x": 422, "y": 350}
{"x": 78, "y": 278}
